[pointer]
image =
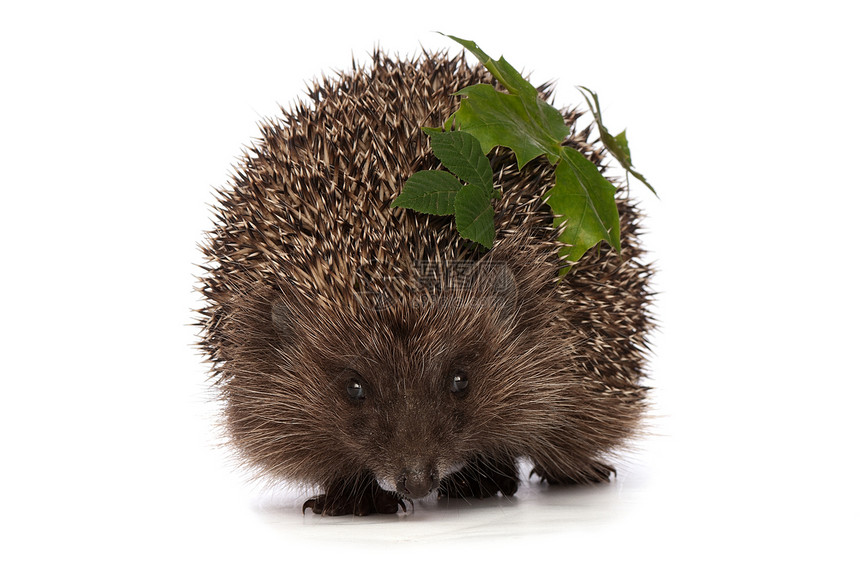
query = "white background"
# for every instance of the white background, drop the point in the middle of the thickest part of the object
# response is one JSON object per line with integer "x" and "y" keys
{"x": 117, "y": 123}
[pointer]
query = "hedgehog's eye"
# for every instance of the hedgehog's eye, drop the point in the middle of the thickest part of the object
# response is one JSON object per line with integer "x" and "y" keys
{"x": 355, "y": 389}
{"x": 459, "y": 382}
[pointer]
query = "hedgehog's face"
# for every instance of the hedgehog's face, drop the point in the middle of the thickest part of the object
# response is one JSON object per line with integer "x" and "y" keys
{"x": 406, "y": 420}
{"x": 408, "y": 393}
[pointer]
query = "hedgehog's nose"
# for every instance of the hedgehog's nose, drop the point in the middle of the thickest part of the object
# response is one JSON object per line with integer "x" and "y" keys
{"x": 415, "y": 484}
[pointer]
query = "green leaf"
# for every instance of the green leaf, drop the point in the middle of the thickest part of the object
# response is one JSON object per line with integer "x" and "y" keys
{"x": 461, "y": 154}
{"x": 617, "y": 146}
{"x": 586, "y": 203}
{"x": 582, "y": 199}
{"x": 501, "y": 69}
{"x": 501, "y": 119}
{"x": 621, "y": 139}
{"x": 519, "y": 120}
{"x": 473, "y": 213}
{"x": 430, "y": 192}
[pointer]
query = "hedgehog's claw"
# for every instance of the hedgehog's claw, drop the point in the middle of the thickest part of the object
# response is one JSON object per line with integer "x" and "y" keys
{"x": 369, "y": 500}
{"x": 312, "y": 503}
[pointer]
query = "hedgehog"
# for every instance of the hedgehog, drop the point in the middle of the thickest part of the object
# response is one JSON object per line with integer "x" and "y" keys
{"x": 373, "y": 354}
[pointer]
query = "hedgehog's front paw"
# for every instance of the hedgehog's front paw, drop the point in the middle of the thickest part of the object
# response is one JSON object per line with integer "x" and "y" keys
{"x": 481, "y": 478}
{"x": 596, "y": 473}
{"x": 355, "y": 498}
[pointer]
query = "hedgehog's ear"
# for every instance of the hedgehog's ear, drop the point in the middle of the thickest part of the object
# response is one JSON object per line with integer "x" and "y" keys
{"x": 283, "y": 319}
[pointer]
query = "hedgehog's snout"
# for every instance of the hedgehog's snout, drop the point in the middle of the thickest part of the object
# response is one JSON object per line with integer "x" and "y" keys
{"x": 415, "y": 484}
